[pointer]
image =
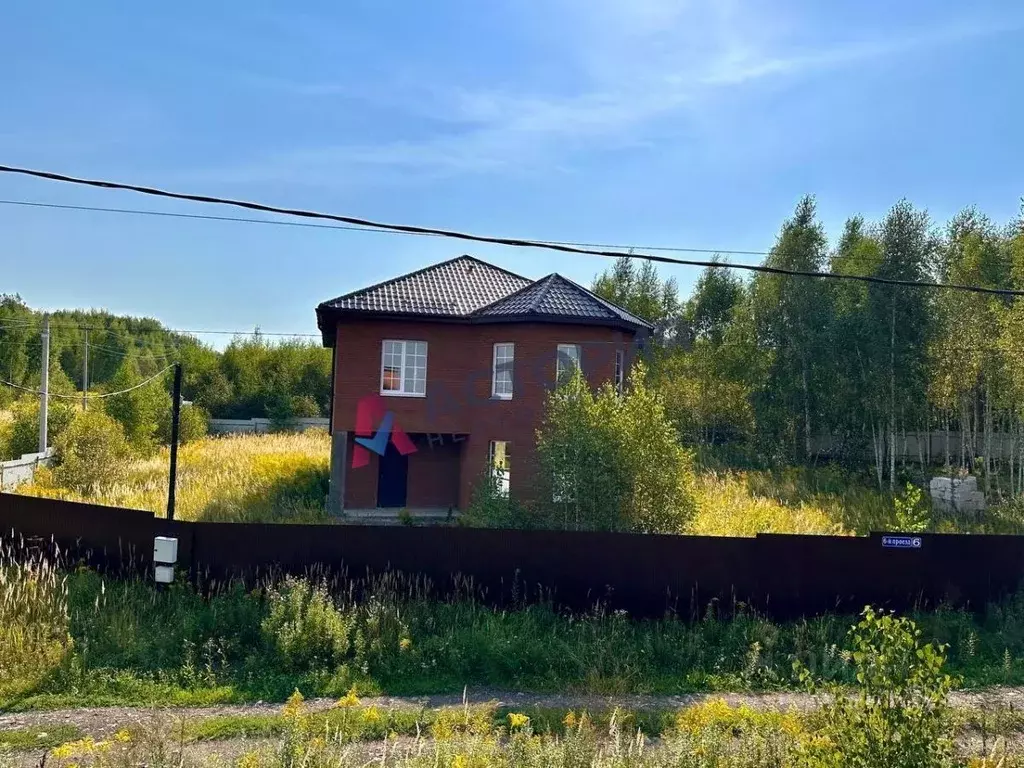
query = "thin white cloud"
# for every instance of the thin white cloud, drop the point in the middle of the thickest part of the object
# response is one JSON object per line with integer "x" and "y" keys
{"x": 639, "y": 63}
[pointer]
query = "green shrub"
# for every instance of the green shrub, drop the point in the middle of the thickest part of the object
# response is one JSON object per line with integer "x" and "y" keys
{"x": 898, "y": 713}
{"x": 613, "y": 461}
{"x": 140, "y": 410}
{"x": 93, "y": 453}
{"x": 24, "y": 430}
{"x": 192, "y": 425}
{"x": 911, "y": 511}
{"x": 490, "y": 508}
{"x": 304, "y": 629}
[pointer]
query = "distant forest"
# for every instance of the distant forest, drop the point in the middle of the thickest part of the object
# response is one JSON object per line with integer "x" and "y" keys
{"x": 251, "y": 377}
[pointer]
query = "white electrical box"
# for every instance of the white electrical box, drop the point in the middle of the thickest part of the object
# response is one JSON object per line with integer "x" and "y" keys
{"x": 165, "y": 550}
{"x": 164, "y": 574}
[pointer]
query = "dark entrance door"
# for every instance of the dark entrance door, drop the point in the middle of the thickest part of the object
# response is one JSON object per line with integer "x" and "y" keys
{"x": 392, "y": 477}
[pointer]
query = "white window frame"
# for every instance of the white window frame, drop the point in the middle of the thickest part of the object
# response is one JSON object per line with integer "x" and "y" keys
{"x": 494, "y": 371}
{"x": 402, "y": 382}
{"x": 558, "y": 359}
{"x": 620, "y": 369}
{"x": 501, "y": 475}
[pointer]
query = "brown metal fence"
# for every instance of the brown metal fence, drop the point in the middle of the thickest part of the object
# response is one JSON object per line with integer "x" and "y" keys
{"x": 779, "y": 575}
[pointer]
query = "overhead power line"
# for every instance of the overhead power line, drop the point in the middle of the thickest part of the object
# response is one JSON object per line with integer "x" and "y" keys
{"x": 513, "y": 242}
{"x": 349, "y": 228}
{"x": 155, "y": 376}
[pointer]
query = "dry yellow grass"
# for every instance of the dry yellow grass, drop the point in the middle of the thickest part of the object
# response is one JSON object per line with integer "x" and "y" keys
{"x": 240, "y": 478}
{"x": 283, "y": 478}
{"x": 729, "y": 504}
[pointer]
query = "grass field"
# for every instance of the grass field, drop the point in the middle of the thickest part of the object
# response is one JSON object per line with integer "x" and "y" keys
{"x": 283, "y": 478}
{"x": 279, "y": 477}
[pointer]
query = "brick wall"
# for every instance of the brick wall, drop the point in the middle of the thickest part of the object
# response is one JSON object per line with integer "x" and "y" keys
{"x": 458, "y": 398}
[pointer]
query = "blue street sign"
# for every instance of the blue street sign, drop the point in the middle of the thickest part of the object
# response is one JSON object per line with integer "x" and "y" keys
{"x": 902, "y": 542}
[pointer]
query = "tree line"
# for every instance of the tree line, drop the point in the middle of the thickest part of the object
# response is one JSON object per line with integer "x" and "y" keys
{"x": 251, "y": 377}
{"x": 757, "y": 370}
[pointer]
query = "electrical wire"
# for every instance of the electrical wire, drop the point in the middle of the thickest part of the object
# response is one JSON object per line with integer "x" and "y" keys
{"x": 89, "y": 397}
{"x": 348, "y": 228}
{"x": 513, "y": 242}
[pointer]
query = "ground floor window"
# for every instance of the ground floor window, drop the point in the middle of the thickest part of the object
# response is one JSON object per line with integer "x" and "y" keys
{"x": 498, "y": 461}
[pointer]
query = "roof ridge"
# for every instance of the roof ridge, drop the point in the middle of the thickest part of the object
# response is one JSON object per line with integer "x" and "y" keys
{"x": 420, "y": 271}
{"x": 529, "y": 286}
{"x": 574, "y": 284}
{"x": 478, "y": 260}
{"x": 544, "y": 289}
{"x": 605, "y": 302}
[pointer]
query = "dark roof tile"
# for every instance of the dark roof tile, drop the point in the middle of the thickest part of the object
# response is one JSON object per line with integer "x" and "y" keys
{"x": 555, "y": 296}
{"x": 473, "y": 289}
{"x": 454, "y": 288}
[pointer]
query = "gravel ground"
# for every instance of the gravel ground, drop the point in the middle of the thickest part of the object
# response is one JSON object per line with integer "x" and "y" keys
{"x": 104, "y": 721}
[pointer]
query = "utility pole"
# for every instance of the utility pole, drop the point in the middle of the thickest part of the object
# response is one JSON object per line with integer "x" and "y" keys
{"x": 85, "y": 374}
{"x": 175, "y": 418}
{"x": 44, "y": 389}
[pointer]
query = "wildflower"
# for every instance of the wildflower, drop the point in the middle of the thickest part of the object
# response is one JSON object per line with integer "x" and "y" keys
{"x": 371, "y": 715}
{"x": 570, "y": 719}
{"x": 250, "y": 759}
{"x": 293, "y": 707}
{"x": 405, "y": 643}
{"x": 63, "y": 751}
{"x": 459, "y": 761}
{"x": 123, "y": 736}
{"x": 348, "y": 700}
{"x": 517, "y": 720}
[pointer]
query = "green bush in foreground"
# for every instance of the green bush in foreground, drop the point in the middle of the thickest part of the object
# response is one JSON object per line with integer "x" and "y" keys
{"x": 897, "y": 713}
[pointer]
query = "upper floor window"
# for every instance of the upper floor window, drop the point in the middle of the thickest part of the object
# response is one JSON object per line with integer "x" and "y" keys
{"x": 403, "y": 368}
{"x": 501, "y": 370}
{"x": 620, "y": 369}
{"x": 568, "y": 360}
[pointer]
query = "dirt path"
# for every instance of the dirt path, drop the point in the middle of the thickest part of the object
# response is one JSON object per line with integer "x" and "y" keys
{"x": 104, "y": 721}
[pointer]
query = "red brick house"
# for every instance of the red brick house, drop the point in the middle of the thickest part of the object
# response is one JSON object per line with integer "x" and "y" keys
{"x": 447, "y": 368}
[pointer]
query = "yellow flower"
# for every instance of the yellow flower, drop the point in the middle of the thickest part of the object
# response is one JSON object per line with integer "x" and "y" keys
{"x": 61, "y": 752}
{"x": 517, "y": 720}
{"x": 293, "y": 707}
{"x": 460, "y": 761}
{"x": 123, "y": 736}
{"x": 348, "y": 700}
{"x": 405, "y": 643}
{"x": 570, "y": 719}
{"x": 371, "y": 715}
{"x": 249, "y": 760}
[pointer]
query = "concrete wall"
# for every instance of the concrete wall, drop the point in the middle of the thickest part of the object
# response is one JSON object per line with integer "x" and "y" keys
{"x": 17, "y": 471}
{"x": 913, "y": 444}
{"x": 261, "y": 426}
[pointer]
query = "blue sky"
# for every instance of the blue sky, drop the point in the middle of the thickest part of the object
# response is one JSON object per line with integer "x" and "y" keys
{"x": 648, "y": 122}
